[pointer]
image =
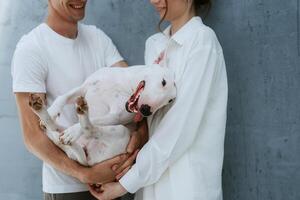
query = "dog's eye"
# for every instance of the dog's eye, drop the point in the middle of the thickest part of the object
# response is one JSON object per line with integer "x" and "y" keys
{"x": 171, "y": 100}
{"x": 163, "y": 82}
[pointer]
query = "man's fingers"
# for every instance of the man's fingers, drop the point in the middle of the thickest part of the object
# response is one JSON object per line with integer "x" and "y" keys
{"x": 115, "y": 167}
{"x": 120, "y": 175}
{"x": 127, "y": 163}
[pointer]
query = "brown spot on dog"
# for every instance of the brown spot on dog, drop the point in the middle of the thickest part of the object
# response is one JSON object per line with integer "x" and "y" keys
{"x": 81, "y": 105}
{"x": 35, "y": 102}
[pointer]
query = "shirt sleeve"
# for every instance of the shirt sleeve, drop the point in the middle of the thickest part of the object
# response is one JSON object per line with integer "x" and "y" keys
{"x": 28, "y": 70}
{"x": 180, "y": 125}
{"x": 111, "y": 53}
{"x": 149, "y": 52}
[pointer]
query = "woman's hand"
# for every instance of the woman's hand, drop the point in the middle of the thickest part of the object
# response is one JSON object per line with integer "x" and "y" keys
{"x": 138, "y": 137}
{"x": 137, "y": 141}
{"x": 108, "y": 191}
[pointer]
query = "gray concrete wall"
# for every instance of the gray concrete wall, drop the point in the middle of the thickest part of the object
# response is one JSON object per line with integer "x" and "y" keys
{"x": 261, "y": 42}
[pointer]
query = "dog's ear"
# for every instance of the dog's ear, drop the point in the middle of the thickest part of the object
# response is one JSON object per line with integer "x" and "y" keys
{"x": 161, "y": 60}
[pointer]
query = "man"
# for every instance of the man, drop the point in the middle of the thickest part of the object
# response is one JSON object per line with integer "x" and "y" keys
{"x": 53, "y": 58}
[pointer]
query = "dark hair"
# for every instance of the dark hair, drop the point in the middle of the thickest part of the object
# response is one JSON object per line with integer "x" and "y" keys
{"x": 202, "y": 8}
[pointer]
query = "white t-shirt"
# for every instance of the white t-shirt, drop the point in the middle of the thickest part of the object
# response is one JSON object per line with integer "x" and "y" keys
{"x": 184, "y": 155}
{"x": 46, "y": 62}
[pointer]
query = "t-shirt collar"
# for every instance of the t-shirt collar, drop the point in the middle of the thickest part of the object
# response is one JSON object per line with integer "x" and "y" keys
{"x": 60, "y": 38}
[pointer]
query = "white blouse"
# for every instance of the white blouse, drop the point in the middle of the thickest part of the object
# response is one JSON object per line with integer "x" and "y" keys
{"x": 184, "y": 155}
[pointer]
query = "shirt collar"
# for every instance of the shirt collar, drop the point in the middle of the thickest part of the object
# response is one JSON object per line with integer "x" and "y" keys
{"x": 184, "y": 32}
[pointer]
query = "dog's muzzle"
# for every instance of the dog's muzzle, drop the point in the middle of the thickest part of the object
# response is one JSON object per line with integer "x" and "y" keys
{"x": 132, "y": 104}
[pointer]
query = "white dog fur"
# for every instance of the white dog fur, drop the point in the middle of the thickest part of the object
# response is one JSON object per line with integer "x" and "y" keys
{"x": 107, "y": 104}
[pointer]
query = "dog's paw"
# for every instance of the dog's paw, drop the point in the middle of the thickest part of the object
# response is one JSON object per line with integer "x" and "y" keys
{"x": 70, "y": 135}
{"x": 35, "y": 102}
{"x": 81, "y": 106}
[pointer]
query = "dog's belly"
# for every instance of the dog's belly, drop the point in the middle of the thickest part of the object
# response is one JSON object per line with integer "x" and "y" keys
{"x": 108, "y": 142}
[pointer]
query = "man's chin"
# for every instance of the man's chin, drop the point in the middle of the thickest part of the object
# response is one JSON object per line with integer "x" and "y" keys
{"x": 77, "y": 18}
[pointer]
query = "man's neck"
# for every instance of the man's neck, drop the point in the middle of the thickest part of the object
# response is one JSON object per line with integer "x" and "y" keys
{"x": 62, "y": 27}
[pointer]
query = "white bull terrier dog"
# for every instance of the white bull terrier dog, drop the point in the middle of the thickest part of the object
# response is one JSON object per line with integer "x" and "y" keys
{"x": 106, "y": 103}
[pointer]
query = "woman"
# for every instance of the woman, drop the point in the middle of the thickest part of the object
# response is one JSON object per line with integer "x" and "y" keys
{"x": 184, "y": 155}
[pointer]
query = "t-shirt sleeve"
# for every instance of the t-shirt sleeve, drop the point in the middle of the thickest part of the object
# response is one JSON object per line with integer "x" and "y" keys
{"x": 28, "y": 70}
{"x": 111, "y": 53}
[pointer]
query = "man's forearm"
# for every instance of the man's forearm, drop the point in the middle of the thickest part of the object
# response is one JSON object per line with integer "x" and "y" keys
{"x": 122, "y": 63}
{"x": 38, "y": 142}
{"x": 42, "y": 147}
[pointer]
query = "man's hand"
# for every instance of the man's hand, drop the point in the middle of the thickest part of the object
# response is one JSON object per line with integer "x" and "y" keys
{"x": 108, "y": 191}
{"x": 102, "y": 172}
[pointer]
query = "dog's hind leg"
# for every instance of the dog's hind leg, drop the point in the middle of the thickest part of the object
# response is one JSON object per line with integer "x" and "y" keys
{"x": 68, "y": 98}
{"x": 39, "y": 108}
{"x": 84, "y": 127}
{"x": 74, "y": 151}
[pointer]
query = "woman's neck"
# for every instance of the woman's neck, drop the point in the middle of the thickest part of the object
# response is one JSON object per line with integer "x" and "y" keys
{"x": 177, "y": 23}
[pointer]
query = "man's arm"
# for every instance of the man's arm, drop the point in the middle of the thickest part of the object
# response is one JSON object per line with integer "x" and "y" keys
{"x": 38, "y": 143}
{"x": 120, "y": 64}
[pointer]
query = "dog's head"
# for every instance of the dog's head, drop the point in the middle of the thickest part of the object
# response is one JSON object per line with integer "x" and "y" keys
{"x": 156, "y": 90}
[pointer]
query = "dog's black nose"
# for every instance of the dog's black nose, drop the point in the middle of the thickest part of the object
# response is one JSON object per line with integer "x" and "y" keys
{"x": 145, "y": 110}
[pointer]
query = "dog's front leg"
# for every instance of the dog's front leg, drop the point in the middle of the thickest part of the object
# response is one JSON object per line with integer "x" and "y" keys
{"x": 84, "y": 126}
{"x": 68, "y": 98}
{"x": 39, "y": 108}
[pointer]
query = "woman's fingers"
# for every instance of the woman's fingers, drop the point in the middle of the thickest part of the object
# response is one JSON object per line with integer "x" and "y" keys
{"x": 134, "y": 142}
{"x": 128, "y": 163}
{"x": 120, "y": 175}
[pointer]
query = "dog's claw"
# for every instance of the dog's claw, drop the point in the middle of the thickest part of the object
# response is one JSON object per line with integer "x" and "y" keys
{"x": 69, "y": 136}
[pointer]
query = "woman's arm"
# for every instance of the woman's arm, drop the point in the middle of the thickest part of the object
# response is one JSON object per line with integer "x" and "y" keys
{"x": 137, "y": 140}
{"x": 180, "y": 126}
